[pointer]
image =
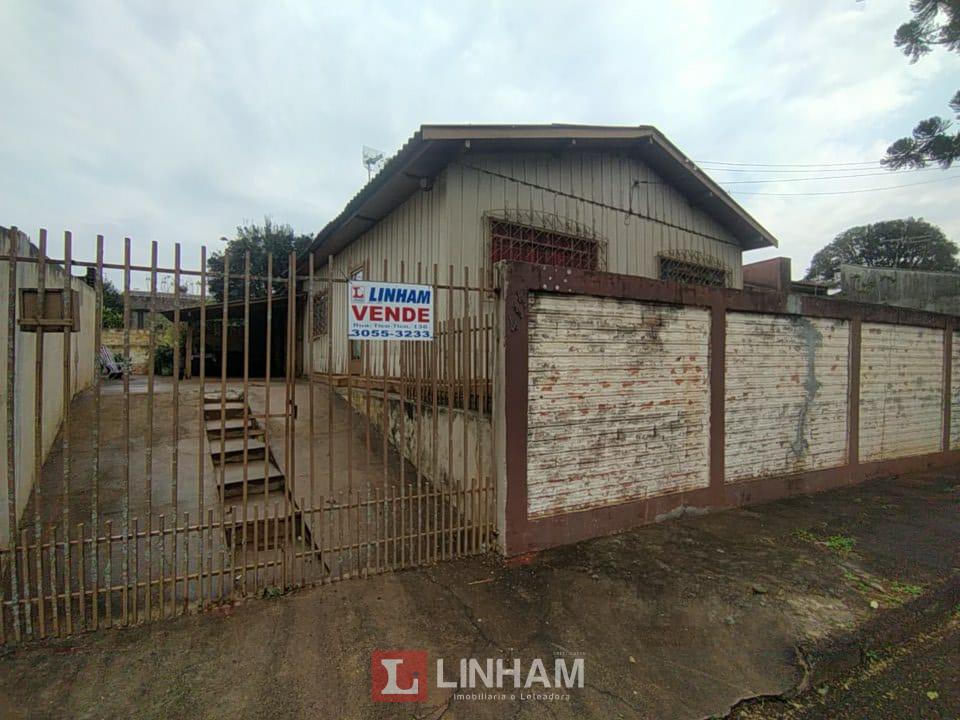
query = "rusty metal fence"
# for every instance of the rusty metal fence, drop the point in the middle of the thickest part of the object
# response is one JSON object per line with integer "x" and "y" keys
{"x": 170, "y": 493}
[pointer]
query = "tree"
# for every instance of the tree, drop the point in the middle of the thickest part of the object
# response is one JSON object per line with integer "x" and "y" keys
{"x": 935, "y": 22}
{"x": 271, "y": 238}
{"x": 112, "y": 306}
{"x": 912, "y": 243}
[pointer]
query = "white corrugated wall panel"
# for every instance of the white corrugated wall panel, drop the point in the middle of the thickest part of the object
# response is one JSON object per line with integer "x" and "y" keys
{"x": 786, "y": 394}
{"x": 619, "y": 402}
{"x": 605, "y": 192}
{"x": 955, "y": 393}
{"x": 901, "y": 385}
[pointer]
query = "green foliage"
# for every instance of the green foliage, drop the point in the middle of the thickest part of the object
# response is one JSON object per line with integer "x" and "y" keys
{"x": 905, "y": 588}
{"x": 804, "y": 535}
{"x": 112, "y": 306}
{"x": 276, "y": 239}
{"x": 935, "y": 22}
{"x": 112, "y": 320}
{"x": 841, "y": 543}
{"x": 911, "y": 243}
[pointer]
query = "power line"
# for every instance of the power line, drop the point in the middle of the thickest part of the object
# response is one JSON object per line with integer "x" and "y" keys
{"x": 823, "y": 177}
{"x": 758, "y": 171}
{"x": 849, "y": 192}
{"x": 775, "y": 165}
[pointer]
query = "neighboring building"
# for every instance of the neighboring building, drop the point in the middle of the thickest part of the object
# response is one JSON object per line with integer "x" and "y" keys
{"x": 918, "y": 289}
{"x": 617, "y": 199}
{"x": 141, "y": 320}
{"x": 774, "y": 275}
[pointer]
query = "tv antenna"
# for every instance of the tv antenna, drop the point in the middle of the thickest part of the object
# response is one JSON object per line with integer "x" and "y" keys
{"x": 372, "y": 160}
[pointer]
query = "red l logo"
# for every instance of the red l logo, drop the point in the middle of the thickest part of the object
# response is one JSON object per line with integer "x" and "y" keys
{"x": 398, "y": 676}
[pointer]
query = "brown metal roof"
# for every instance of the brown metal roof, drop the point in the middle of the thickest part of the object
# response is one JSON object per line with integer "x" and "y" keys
{"x": 433, "y": 147}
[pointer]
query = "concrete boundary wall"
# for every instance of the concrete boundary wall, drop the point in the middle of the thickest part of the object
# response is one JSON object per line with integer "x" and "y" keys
{"x": 83, "y": 367}
{"x": 796, "y": 386}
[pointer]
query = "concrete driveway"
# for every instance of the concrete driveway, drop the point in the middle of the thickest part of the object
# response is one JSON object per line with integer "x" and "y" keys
{"x": 686, "y": 619}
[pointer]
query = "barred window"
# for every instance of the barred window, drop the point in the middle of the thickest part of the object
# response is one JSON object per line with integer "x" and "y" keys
{"x": 523, "y": 243}
{"x": 692, "y": 273}
{"x": 320, "y": 314}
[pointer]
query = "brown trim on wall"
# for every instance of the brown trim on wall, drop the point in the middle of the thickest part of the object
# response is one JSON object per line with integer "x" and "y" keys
{"x": 717, "y": 348}
{"x": 516, "y": 388}
{"x": 853, "y": 393}
{"x": 521, "y": 534}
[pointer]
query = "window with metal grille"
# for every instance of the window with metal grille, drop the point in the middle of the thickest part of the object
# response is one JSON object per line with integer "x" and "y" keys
{"x": 320, "y": 314}
{"x": 524, "y": 243}
{"x": 692, "y": 273}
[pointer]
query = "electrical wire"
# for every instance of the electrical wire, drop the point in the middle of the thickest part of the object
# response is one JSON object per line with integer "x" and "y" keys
{"x": 848, "y": 192}
{"x": 777, "y": 165}
{"x": 808, "y": 179}
{"x": 814, "y": 170}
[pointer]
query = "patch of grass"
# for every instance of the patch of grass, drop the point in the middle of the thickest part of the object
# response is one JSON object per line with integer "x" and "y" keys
{"x": 905, "y": 588}
{"x": 841, "y": 543}
{"x": 804, "y": 535}
{"x": 272, "y": 592}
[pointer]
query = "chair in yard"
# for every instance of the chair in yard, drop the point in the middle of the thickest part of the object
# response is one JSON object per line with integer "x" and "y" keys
{"x": 109, "y": 365}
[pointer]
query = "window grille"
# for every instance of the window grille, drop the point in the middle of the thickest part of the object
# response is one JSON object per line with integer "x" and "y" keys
{"x": 692, "y": 273}
{"x": 525, "y": 243}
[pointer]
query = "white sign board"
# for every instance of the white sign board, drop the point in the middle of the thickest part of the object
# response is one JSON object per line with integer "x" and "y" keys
{"x": 389, "y": 311}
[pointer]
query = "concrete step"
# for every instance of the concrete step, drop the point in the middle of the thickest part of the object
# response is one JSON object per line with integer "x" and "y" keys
{"x": 233, "y": 449}
{"x": 264, "y": 530}
{"x": 212, "y": 411}
{"x": 233, "y": 428}
{"x": 230, "y": 395}
{"x": 233, "y": 478}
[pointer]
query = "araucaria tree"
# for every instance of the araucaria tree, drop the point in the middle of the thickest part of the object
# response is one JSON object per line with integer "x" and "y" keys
{"x": 912, "y": 243}
{"x": 277, "y": 239}
{"x": 935, "y": 22}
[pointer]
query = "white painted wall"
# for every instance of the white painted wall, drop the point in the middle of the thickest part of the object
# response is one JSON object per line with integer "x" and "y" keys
{"x": 786, "y": 394}
{"x": 619, "y": 402}
{"x": 82, "y": 374}
{"x": 901, "y": 391}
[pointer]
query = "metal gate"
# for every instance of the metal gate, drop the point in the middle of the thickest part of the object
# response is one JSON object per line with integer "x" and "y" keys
{"x": 252, "y": 450}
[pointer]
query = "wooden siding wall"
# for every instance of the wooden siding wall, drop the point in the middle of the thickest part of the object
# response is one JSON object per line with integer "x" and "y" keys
{"x": 901, "y": 389}
{"x": 605, "y": 193}
{"x": 786, "y": 394}
{"x": 619, "y": 405}
{"x": 414, "y": 232}
{"x": 447, "y": 225}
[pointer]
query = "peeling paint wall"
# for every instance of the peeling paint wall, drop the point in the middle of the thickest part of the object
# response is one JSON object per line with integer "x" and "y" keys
{"x": 955, "y": 393}
{"x": 619, "y": 402}
{"x": 786, "y": 394}
{"x": 901, "y": 391}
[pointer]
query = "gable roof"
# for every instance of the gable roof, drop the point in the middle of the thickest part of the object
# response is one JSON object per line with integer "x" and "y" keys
{"x": 433, "y": 147}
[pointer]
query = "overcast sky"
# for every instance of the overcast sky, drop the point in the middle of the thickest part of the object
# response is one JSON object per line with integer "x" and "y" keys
{"x": 175, "y": 121}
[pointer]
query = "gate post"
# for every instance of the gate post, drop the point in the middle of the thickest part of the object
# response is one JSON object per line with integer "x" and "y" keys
{"x": 510, "y": 408}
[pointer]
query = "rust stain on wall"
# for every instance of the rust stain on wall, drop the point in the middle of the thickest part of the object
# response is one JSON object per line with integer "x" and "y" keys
{"x": 626, "y": 415}
{"x": 786, "y": 394}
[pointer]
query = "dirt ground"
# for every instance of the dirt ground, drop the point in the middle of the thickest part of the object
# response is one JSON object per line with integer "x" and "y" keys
{"x": 809, "y": 607}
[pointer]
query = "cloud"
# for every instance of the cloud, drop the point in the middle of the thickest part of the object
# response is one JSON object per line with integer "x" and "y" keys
{"x": 177, "y": 121}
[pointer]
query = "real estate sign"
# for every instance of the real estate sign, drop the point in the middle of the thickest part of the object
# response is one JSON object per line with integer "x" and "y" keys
{"x": 389, "y": 311}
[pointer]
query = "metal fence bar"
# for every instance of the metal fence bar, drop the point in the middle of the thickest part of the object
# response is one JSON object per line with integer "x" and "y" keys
{"x": 13, "y": 238}
{"x": 362, "y": 525}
